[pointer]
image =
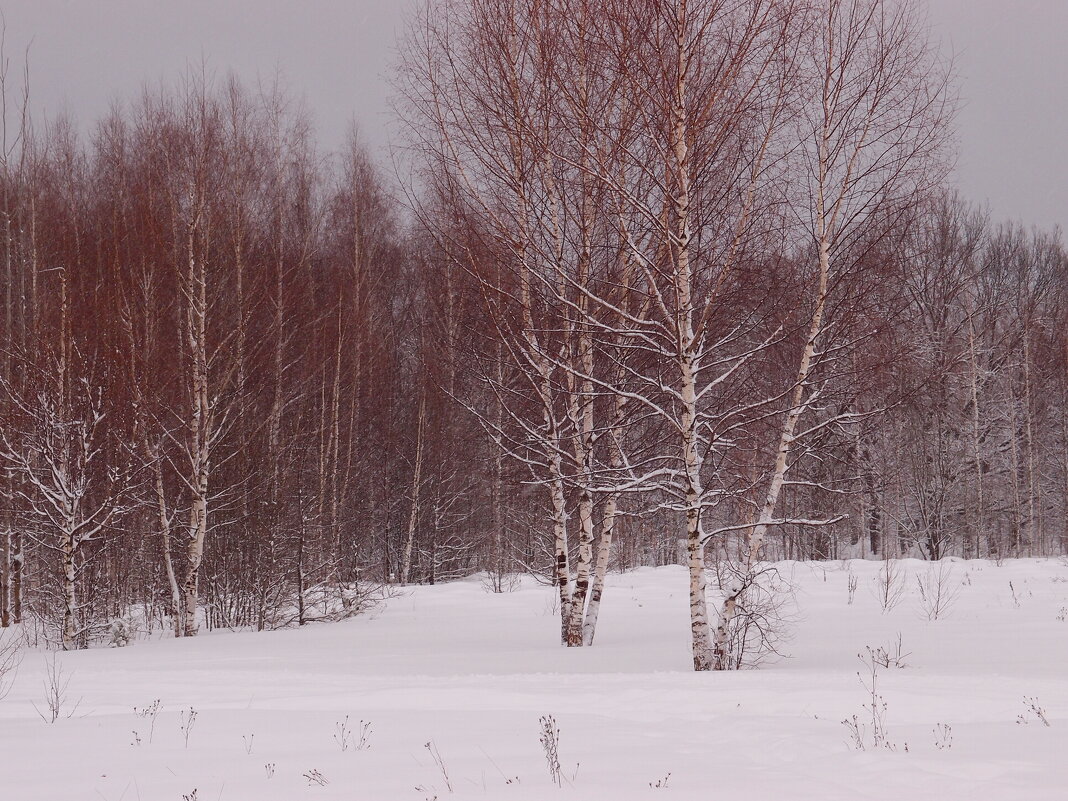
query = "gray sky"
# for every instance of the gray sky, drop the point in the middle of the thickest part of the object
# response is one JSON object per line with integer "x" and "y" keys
{"x": 1012, "y": 56}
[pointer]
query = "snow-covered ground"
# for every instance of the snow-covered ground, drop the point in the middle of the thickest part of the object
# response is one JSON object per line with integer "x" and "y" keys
{"x": 471, "y": 673}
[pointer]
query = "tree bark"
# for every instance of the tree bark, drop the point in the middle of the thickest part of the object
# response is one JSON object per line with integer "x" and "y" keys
{"x": 417, "y": 480}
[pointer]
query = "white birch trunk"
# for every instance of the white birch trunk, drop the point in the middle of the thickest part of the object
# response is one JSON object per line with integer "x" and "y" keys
{"x": 417, "y": 479}
{"x": 798, "y": 405}
{"x": 701, "y": 638}
{"x": 17, "y": 565}
{"x": 608, "y": 524}
{"x": 1034, "y": 527}
{"x": 604, "y": 554}
{"x": 977, "y": 455}
{"x": 560, "y": 548}
{"x": 165, "y": 544}
{"x": 199, "y": 433}
{"x": 1014, "y": 465}
{"x": 583, "y": 569}
{"x": 686, "y": 361}
{"x": 68, "y": 548}
{"x": 5, "y": 579}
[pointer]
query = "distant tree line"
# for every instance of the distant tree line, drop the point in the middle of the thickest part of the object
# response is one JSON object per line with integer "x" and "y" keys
{"x": 681, "y": 281}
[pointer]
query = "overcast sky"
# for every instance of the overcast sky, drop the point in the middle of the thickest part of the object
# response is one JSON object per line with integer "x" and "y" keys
{"x": 1012, "y": 56}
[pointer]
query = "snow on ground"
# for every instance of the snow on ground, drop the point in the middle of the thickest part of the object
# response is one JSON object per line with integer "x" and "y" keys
{"x": 471, "y": 673}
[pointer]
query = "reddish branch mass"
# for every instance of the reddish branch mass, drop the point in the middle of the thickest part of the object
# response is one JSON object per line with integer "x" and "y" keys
{"x": 673, "y": 282}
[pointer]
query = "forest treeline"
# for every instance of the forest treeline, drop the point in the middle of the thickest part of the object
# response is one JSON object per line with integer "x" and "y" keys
{"x": 679, "y": 281}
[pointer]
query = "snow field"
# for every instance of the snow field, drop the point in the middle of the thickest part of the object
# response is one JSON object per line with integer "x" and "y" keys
{"x": 472, "y": 673}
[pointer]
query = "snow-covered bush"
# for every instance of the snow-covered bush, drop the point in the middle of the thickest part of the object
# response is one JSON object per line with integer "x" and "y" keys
{"x": 120, "y": 633}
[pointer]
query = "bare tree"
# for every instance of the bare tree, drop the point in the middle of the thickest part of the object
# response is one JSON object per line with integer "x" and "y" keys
{"x": 872, "y": 146}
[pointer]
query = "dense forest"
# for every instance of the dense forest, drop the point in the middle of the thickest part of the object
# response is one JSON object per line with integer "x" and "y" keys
{"x": 665, "y": 282}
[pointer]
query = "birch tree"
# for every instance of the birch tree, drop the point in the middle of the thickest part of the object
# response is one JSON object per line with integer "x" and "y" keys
{"x": 871, "y": 149}
{"x": 692, "y": 206}
{"x": 485, "y": 121}
{"x": 71, "y": 494}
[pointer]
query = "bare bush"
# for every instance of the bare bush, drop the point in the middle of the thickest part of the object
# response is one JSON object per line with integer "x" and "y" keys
{"x": 1032, "y": 709}
{"x": 892, "y": 656}
{"x": 890, "y": 584}
{"x": 873, "y": 731}
{"x": 56, "y": 702}
{"x": 10, "y": 659}
{"x": 760, "y": 619}
{"x": 343, "y": 734}
{"x": 938, "y": 591}
{"x": 358, "y": 739}
{"x": 186, "y": 721}
{"x": 149, "y": 713}
{"x": 362, "y": 738}
{"x": 550, "y": 745}
{"x": 432, "y": 748}
{"x": 943, "y": 734}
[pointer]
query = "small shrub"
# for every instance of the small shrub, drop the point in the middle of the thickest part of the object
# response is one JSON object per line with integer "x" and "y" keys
{"x": 943, "y": 734}
{"x": 851, "y": 587}
{"x": 660, "y": 784}
{"x": 550, "y": 745}
{"x": 149, "y": 713}
{"x": 10, "y": 659}
{"x": 56, "y": 702}
{"x": 363, "y": 736}
{"x": 186, "y": 721}
{"x": 343, "y": 734}
{"x": 873, "y": 732}
{"x": 1032, "y": 709}
{"x": 763, "y": 614}
{"x": 358, "y": 740}
{"x": 892, "y": 656}
{"x": 432, "y": 747}
{"x": 938, "y": 591}
{"x": 890, "y": 585}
